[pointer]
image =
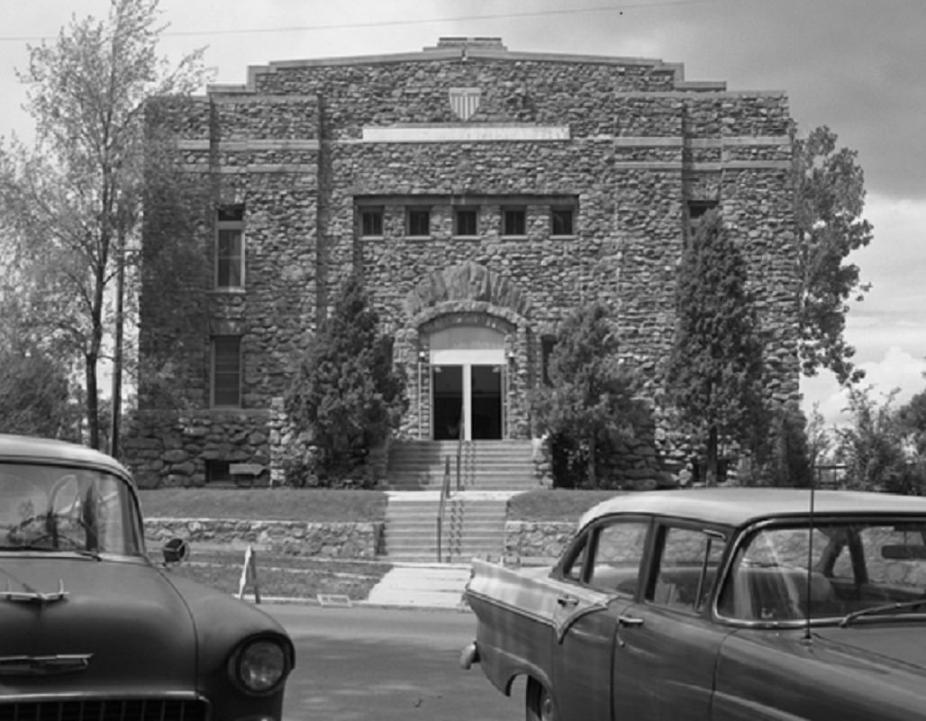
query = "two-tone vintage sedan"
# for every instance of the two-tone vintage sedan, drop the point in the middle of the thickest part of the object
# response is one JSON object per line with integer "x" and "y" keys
{"x": 91, "y": 629}
{"x": 739, "y": 604}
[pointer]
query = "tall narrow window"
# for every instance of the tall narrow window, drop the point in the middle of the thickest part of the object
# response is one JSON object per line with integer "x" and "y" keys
{"x": 547, "y": 344}
{"x": 371, "y": 222}
{"x": 229, "y": 247}
{"x": 465, "y": 222}
{"x": 226, "y": 371}
{"x": 514, "y": 221}
{"x": 561, "y": 221}
{"x": 418, "y": 222}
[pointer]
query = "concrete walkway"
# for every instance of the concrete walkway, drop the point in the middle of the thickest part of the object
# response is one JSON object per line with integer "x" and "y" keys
{"x": 422, "y": 585}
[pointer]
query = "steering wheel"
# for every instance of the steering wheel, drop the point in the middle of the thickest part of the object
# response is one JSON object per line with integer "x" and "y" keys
{"x": 60, "y": 537}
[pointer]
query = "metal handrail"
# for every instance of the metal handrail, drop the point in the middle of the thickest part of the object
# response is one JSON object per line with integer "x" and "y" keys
{"x": 460, "y": 453}
{"x": 444, "y": 495}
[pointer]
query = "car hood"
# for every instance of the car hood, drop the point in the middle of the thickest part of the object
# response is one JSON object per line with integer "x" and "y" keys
{"x": 901, "y": 644}
{"x": 120, "y": 624}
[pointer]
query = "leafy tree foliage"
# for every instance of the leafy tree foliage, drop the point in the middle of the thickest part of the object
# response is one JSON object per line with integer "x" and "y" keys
{"x": 590, "y": 409}
{"x": 74, "y": 199}
{"x": 873, "y": 448}
{"x": 788, "y": 460}
{"x": 714, "y": 375}
{"x": 830, "y": 196}
{"x": 34, "y": 395}
{"x": 347, "y": 395}
{"x": 175, "y": 269}
{"x": 912, "y": 418}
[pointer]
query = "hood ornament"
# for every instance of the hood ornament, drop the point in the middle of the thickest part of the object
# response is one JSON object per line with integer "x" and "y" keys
{"x": 32, "y": 596}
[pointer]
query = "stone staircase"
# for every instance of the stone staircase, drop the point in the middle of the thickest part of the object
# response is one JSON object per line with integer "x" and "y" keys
{"x": 484, "y": 465}
{"x": 473, "y": 525}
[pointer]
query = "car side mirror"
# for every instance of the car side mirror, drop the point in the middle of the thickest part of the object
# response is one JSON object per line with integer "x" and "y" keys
{"x": 175, "y": 550}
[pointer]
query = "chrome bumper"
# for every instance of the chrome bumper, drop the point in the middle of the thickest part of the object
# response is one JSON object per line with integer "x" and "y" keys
{"x": 469, "y": 655}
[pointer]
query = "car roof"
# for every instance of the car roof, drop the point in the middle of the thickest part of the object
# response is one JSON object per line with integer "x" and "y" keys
{"x": 30, "y": 449}
{"x": 739, "y": 506}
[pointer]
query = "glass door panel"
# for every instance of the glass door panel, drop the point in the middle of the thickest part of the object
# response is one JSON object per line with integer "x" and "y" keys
{"x": 447, "y": 382}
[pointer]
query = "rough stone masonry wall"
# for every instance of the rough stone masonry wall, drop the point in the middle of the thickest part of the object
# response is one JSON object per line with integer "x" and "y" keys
{"x": 289, "y": 538}
{"x": 640, "y": 144}
{"x": 261, "y": 152}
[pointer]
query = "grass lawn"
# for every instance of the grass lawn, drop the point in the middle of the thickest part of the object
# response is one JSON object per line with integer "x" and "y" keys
{"x": 554, "y": 504}
{"x": 286, "y": 576}
{"x": 264, "y": 504}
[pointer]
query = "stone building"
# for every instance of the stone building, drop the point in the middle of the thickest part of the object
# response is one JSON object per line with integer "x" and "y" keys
{"x": 483, "y": 193}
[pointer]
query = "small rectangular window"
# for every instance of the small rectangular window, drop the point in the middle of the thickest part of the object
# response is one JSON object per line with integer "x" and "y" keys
{"x": 226, "y": 371}
{"x": 418, "y": 222}
{"x": 514, "y": 221}
{"x": 465, "y": 222}
{"x": 371, "y": 222}
{"x": 229, "y": 247}
{"x": 561, "y": 221}
{"x": 217, "y": 471}
{"x": 697, "y": 209}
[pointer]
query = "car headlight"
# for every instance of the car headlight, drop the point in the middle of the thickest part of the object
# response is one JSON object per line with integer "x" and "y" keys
{"x": 260, "y": 666}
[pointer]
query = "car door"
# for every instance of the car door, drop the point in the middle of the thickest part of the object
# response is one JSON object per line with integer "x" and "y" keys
{"x": 598, "y": 581}
{"x": 667, "y": 643}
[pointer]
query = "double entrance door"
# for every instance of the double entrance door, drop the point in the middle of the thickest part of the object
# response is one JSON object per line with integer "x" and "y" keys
{"x": 467, "y": 399}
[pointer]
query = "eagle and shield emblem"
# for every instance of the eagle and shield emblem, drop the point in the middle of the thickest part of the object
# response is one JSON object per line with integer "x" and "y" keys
{"x": 464, "y": 102}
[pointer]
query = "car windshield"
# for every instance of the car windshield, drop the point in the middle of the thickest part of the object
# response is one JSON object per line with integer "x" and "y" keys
{"x": 53, "y": 508}
{"x": 836, "y": 571}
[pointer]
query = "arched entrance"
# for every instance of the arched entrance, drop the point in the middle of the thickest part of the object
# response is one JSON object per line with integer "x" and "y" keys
{"x": 468, "y": 383}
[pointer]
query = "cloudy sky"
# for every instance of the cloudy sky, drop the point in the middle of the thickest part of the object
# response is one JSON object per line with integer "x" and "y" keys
{"x": 854, "y": 65}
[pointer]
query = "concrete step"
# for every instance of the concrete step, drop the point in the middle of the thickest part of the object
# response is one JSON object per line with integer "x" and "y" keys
{"x": 473, "y": 525}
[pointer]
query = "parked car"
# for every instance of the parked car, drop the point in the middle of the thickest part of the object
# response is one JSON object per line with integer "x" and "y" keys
{"x": 717, "y": 604}
{"x": 91, "y": 628}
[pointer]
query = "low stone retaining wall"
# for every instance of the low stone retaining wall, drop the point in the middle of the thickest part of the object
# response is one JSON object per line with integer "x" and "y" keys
{"x": 536, "y": 541}
{"x": 295, "y": 538}
{"x": 526, "y": 542}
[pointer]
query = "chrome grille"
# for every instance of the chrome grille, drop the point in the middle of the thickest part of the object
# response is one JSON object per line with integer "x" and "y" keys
{"x": 105, "y": 710}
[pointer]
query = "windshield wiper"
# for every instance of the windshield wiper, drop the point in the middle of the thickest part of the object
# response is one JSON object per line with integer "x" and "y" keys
{"x": 884, "y": 608}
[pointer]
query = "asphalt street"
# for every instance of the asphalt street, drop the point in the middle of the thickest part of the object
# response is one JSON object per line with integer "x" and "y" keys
{"x": 387, "y": 664}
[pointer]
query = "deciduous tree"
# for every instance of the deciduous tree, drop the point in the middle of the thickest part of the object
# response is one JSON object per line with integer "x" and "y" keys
{"x": 73, "y": 199}
{"x": 830, "y": 197}
{"x": 872, "y": 446}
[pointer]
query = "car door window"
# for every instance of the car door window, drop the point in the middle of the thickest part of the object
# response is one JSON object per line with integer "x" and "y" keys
{"x": 575, "y": 562}
{"x": 618, "y": 552}
{"x": 687, "y": 568}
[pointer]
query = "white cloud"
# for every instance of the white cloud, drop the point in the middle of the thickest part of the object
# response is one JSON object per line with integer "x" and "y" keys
{"x": 896, "y": 370}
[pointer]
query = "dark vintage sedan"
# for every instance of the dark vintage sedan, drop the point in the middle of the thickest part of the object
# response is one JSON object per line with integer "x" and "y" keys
{"x": 92, "y": 629}
{"x": 718, "y": 604}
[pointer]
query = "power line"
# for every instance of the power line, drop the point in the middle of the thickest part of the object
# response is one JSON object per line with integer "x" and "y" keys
{"x": 392, "y": 23}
